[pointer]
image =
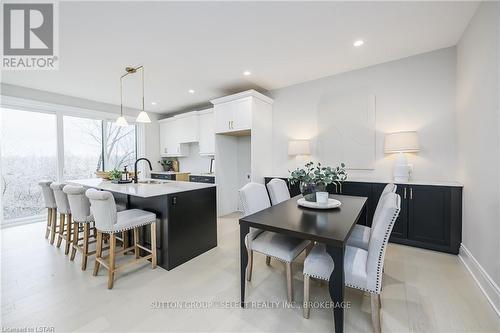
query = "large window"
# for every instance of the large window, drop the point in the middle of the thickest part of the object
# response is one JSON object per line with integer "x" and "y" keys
{"x": 29, "y": 154}
{"x": 120, "y": 146}
{"x": 82, "y": 147}
{"x": 31, "y": 150}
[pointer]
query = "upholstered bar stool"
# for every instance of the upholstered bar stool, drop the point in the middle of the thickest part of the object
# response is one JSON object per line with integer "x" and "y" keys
{"x": 82, "y": 219}
{"x": 109, "y": 221}
{"x": 50, "y": 204}
{"x": 360, "y": 235}
{"x": 363, "y": 268}
{"x": 64, "y": 215}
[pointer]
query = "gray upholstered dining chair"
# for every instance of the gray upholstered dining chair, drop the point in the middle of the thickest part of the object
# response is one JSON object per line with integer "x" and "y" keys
{"x": 278, "y": 191}
{"x": 360, "y": 235}
{"x": 49, "y": 203}
{"x": 363, "y": 268}
{"x": 109, "y": 221}
{"x": 283, "y": 248}
{"x": 64, "y": 215}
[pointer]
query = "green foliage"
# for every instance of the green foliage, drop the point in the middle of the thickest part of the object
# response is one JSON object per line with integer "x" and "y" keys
{"x": 115, "y": 174}
{"x": 318, "y": 174}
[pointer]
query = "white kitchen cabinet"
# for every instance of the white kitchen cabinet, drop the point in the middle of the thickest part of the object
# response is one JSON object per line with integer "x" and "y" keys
{"x": 234, "y": 115}
{"x": 206, "y": 132}
{"x": 186, "y": 126}
{"x": 170, "y": 139}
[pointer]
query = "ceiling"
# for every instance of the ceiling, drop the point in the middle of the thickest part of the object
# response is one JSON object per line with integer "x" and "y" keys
{"x": 206, "y": 46}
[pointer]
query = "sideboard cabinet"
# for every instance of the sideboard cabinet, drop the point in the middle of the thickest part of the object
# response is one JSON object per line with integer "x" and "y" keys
{"x": 430, "y": 217}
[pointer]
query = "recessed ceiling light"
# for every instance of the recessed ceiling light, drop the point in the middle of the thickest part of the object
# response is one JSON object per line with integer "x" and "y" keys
{"x": 247, "y": 73}
{"x": 191, "y": 91}
{"x": 153, "y": 103}
{"x": 358, "y": 43}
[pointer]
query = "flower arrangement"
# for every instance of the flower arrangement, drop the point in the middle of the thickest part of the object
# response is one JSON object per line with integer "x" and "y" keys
{"x": 315, "y": 177}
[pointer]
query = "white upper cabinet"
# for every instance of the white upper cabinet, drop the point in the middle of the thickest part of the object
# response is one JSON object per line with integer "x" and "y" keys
{"x": 187, "y": 127}
{"x": 170, "y": 139}
{"x": 234, "y": 113}
{"x": 206, "y": 132}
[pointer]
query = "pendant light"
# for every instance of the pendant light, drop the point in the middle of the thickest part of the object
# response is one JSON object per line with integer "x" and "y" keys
{"x": 121, "y": 121}
{"x": 143, "y": 116}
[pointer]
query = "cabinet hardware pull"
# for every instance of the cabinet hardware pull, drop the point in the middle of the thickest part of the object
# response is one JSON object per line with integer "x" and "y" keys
{"x": 336, "y": 188}
{"x": 404, "y": 196}
{"x": 411, "y": 193}
{"x": 340, "y": 184}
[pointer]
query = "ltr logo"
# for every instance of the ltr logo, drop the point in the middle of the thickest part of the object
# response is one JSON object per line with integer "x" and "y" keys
{"x": 28, "y": 29}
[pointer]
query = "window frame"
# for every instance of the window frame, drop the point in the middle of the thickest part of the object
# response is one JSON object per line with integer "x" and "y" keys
{"x": 22, "y": 104}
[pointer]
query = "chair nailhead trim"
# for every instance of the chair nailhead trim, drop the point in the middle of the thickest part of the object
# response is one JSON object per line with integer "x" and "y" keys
{"x": 127, "y": 228}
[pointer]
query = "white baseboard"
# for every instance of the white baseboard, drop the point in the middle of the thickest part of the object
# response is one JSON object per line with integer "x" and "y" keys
{"x": 483, "y": 280}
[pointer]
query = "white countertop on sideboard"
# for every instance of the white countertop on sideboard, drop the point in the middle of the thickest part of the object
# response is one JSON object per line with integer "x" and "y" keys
{"x": 412, "y": 182}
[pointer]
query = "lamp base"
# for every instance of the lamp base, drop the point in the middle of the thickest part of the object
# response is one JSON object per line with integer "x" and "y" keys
{"x": 401, "y": 169}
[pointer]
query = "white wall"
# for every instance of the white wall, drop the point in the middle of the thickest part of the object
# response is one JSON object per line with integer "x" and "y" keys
{"x": 478, "y": 122}
{"x": 415, "y": 93}
{"x": 194, "y": 163}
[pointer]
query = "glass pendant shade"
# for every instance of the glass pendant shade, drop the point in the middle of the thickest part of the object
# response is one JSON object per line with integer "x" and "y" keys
{"x": 143, "y": 117}
{"x": 121, "y": 121}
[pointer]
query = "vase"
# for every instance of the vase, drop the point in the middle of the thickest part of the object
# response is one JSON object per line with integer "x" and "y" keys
{"x": 309, "y": 189}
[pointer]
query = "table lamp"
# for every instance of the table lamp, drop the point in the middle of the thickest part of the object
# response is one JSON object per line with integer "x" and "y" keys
{"x": 401, "y": 143}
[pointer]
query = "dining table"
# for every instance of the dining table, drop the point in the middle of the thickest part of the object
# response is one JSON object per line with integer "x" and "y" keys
{"x": 331, "y": 227}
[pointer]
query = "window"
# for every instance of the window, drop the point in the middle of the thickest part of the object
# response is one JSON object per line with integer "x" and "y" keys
{"x": 82, "y": 147}
{"x": 120, "y": 146}
{"x": 29, "y": 154}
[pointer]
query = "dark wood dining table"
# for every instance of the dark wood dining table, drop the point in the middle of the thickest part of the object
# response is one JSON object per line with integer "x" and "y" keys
{"x": 331, "y": 227}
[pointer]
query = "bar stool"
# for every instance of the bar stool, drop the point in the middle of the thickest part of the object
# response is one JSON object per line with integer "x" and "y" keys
{"x": 64, "y": 212}
{"x": 82, "y": 219}
{"x": 109, "y": 221}
{"x": 50, "y": 204}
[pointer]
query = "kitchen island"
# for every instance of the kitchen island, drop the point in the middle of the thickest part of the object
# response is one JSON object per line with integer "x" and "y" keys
{"x": 186, "y": 213}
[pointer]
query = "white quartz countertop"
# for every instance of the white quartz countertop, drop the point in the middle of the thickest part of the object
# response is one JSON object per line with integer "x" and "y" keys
{"x": 143, "y": 190}
{"x": 203, "y": 174}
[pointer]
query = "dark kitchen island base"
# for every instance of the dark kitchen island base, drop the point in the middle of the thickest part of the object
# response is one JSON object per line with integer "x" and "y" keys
{"x": 187, "y": 223}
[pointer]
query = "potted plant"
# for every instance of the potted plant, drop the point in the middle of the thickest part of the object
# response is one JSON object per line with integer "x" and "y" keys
{"x": 168, "y": 165}
{"x": 315, "y": 178}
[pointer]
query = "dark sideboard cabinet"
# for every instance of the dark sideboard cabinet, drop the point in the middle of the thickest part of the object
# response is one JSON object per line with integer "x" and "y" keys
{"x": 430, "y": 217}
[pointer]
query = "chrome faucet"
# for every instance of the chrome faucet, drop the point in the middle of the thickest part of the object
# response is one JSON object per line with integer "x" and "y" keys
{"x": 135, "y": 167}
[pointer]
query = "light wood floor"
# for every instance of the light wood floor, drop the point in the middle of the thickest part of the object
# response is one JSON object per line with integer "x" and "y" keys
{"x": 423, "y": 291}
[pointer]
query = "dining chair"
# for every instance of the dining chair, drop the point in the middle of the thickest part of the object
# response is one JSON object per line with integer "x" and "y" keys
{"x": 64, "y": 215}
{"x": 109, "y": 221}
{"x": 278, "y": 191}
{"x": 254, "y": 198}
{"x": 363, "y": 268}
{"x": 360, "y": 235}
{"x": 49, "y": 203}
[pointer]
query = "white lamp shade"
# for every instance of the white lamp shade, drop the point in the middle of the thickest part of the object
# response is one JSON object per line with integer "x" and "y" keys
{"x": 121, "y": 121}
{"x": 143, "y": 117}
{"x": 401, "y": 142}
{"x": 299, "y": 147}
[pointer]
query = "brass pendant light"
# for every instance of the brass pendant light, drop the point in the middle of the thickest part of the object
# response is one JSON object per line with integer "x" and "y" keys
{"x": 143, "y": 116}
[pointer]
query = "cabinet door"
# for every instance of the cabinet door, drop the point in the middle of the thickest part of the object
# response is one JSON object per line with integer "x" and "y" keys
{"x": 163, "y": 139}
{"x": 359, "y": 190}
{"x": 242, "y": 114}
{"x": 187, "y": 128}
{"x": 400, "y": 228}
{"x": 429, "y": 214}
{"x": 224, "y": 117}
{"x": 207, "y": 134}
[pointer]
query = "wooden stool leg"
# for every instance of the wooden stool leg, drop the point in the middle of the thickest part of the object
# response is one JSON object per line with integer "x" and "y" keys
{"x": 74, "y": 243}
{"x": 85, "y": 250}
{"x": 49, "y": 219}
{"x": 98, "y": 253}
{"x": 68, "y": 234}
{"x": 111, "y": 264}
{"x": 53, "y": 224}
{"x": 62, "y": 218}
{"x": 306, "y": 297}
{"x": 125, "y": 240}
{"x": 136, "y": 241}
{"x": 153, "y": 245}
